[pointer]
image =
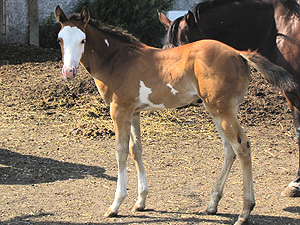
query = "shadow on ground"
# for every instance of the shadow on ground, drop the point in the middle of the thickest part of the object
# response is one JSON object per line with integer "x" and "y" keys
{"x": 142, "y": 218}
{"x": 26, "y": 169}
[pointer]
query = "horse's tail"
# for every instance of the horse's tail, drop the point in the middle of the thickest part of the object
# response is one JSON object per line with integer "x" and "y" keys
{"x": 274, "y": 74}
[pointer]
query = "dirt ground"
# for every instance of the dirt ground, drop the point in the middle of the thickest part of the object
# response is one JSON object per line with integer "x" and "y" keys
{"x": 57, "y": 158}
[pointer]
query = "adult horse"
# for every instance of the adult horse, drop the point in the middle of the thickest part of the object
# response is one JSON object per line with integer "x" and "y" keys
{"x": 132, "y": 77}
{"x": 271, "y": 27}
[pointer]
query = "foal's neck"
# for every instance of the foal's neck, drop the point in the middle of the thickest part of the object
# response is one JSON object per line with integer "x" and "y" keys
{"x": 105, "y": 51}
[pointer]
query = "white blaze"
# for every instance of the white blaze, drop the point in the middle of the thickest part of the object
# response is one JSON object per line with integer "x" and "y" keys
{"x": 72, "y": 43}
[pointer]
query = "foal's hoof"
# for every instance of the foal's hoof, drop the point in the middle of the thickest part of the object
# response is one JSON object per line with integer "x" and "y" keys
{"x": 110, "y": 213}
{"x": 241, "y": 222}
{"x": 292, "y": 190}
{"x": 137, "y": 209}
{"x": 210, "y": 212}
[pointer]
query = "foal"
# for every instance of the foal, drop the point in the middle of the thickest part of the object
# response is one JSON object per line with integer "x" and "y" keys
{"x": 132, "y": 77}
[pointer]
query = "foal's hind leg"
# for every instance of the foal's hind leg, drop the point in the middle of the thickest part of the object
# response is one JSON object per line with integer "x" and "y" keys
{"x": 135, "y": 148}
{"x": 217, "y": 192}
{"x": 235, "y": 135}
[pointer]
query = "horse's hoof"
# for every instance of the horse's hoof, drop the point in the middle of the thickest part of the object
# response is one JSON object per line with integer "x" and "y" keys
{"x": 210, "y": 212}
{"x": 292, "y": 190}
{"x": 137, "y": 209}
{"x": 110, "y": 213}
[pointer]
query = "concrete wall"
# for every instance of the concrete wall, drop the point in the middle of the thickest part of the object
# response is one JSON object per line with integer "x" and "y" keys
{"x": 17, "y": 22}
{"x": 46, "y": 7}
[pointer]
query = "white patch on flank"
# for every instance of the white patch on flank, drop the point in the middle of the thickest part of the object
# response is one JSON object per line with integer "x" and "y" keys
{"x": 106, "y": 42}
{"x": 144, "y": 98}
{"x": 73, "y": 48}
{"x": 144, "y": 93}
{"x": 174, "y": 92}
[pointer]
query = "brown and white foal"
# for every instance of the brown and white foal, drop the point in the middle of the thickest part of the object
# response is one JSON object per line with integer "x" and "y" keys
{"x": 132, "y": 77}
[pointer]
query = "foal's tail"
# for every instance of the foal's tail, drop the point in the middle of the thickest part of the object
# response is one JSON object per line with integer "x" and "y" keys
{"x": 274, "y": 74}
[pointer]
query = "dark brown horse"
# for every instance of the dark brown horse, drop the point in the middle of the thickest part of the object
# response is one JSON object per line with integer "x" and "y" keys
{"x": 270, "y": 26}
{"x": 133, "y": 77}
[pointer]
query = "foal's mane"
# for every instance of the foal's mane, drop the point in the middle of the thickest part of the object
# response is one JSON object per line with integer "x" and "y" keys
{"x": 292, "y": 6}
{"x": 172, "y": 33}
{"x": 116, "y": 32}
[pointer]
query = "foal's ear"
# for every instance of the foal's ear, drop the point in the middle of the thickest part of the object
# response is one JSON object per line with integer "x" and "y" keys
{"x": 85, "y": 15}
{"x": 60, "y": 15}
{"x": 164, "y": 19}
{"x": 190, "y": 19}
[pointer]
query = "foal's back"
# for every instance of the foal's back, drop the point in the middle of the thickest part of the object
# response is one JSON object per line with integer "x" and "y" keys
{"x": 205, "y": 69}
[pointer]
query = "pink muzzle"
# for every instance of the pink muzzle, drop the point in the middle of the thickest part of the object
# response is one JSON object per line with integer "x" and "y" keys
{"x": 69, "y": 72}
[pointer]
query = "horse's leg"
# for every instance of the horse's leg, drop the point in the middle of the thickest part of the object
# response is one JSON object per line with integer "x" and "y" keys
{"x": 135, "y": 148}
{"x": 217, "y": 191}
{"x": 122, "y": 118}
{"x": 293, "y": 189}
{"x": 235, "y": 135}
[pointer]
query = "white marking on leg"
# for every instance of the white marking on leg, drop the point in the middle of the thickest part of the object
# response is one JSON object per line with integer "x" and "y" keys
{"x": 214, "y": 201}
{"x": 144, "y": 98}
{"x": 142, "y": 182}
{"x": 174, "y": 92}
{"x": 142, "y": 189}
{"x": 121, "y": 183}
{"x": 106, "y": 42}
{"x": 136, "y": 153}
{"x": 120, "y": 191}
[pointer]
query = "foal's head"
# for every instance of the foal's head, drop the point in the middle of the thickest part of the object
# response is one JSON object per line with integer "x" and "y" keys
{"x": 72, "y": 39}
{"x": 181, "y": 31}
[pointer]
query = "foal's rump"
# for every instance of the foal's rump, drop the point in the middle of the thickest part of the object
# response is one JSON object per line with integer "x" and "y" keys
{"x": 223, "y": 74}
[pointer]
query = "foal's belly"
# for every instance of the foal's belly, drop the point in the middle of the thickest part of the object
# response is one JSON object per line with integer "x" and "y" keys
{"x": 163, "y": 97}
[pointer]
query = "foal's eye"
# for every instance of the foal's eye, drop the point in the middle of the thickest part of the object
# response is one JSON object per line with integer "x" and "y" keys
{"x": 83, "y": 41}
{"x": 58, "y": 40}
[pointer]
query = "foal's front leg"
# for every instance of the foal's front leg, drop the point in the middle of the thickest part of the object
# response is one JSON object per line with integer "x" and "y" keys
{"x": 122, "y": 121}
{"x": 135, "y": 148}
